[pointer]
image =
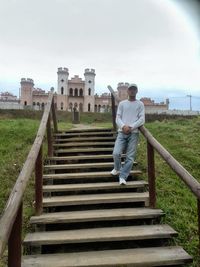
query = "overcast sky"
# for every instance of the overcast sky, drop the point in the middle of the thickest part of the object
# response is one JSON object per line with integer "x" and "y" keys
{"x": 154, "y": 43}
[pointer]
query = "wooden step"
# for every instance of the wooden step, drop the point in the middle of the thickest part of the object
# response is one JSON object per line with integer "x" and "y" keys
{"x": 81, "y": 166}
{"x": 82, "y": 139}
{"x": 112, "y": 133}
{"x": 138, "y": 257}
{"x": 92, "y": 186}
{"x": 84, "y": 175}
{"x": 82, "y": 157}
{"x": 85, "y": 150}
{"x": 96, "y": 199}
{"x": 88, "y": 144}
{"x": 76, "y": 130}
{"x": 105, "y": 234}
{"x": 96, "y": 215}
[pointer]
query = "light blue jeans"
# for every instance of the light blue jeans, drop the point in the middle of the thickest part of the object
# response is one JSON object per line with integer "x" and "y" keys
{"x": 125, "y": 143}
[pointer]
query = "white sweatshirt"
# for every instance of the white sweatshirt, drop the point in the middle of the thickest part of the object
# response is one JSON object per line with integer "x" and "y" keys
{"x": 130, "y": 113}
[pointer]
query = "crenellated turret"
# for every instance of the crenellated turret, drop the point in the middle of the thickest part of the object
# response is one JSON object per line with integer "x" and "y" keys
{"x": 89, "y": 89}
{"x": 122, "y": 90}
{"x": 63, "y": 75}
{"x": 26, "y": 91}
{"x": 89, "y": 81}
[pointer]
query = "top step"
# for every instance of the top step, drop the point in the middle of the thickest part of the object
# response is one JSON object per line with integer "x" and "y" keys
{"x": 82, "y": 133}
{"x": 87, "y": 130}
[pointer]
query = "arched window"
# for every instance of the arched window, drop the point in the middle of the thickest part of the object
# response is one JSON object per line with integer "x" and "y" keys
{"x": 99, "y": 108}
{"x": 38, "y": 104}
{"x": 42, "y": 105}
{"x": 81, "y": 92}
{"x": 89, "y": 91}
{"x": 62, "y": 90}
{"x": 81, "y": 107}
{"x": 76, "y": 92}
{"x": 89, "y": 107}
{"x": 25, "y": 103}
{"x": 95, "y": 108}
{"x": 61, "y": 105}
{"x": 71, "y": 92}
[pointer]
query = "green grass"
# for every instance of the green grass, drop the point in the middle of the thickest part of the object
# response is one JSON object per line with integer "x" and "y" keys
{"x": 179, "y": 136}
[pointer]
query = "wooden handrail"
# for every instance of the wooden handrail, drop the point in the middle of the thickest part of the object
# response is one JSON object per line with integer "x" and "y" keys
{"x": 15, "y": 199}
{"x": 188, "y": 179}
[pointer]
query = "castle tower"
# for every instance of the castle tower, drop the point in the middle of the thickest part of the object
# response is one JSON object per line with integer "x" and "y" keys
{"x": 122, "y": 90}
{"x": 63, "y": 75}
{"x": 89, "y": 90}
{"x": 26, "y": 92}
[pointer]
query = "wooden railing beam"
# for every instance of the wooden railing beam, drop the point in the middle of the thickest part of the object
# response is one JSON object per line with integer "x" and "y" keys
{"x": 38, "y": 183}
{"x": 54, "y": 117}
{"x": 16, "y": 196}
{"x": 151, "y": 175}
{"x": 49, "y": 137}
{"x": 14, "y": 242}
{"x": 198, "y": 216}
{"x": 113, "y": 113}
{"x": 185, "y": 176}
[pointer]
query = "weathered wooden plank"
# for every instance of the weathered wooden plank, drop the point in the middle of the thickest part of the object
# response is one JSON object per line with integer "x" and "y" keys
{"x": 95, "y": 199}
{"x": 84, "y": 175}
{"x": 139, "y": 257}
{"x": 85, "y": 134}
{"x": 96, "y": 215}
{"x": 81, "y": 139}
{"x": 139, "y": 232}
{"x": 91, "y": 144}
{"x": 87, "y": 150}
{"x": 80, "y": 166}
{"x": 91, "y": 186}
{"x": 100, "y": 156}
{"x": 95, "y": 129}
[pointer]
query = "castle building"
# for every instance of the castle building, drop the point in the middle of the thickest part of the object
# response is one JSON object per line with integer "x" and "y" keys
{"x": 76, "y": 94}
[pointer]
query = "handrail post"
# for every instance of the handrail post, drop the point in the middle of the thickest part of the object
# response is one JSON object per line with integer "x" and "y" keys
{"x": 14, "y": 242}
{"x": 113, "y": 112}
{"x": 49, "y": 137}
{"x": 198, "y": 210}
{"x": 38, "y": 183}
{"x": 54, "y": 116}
{"x": 151, "y": 175}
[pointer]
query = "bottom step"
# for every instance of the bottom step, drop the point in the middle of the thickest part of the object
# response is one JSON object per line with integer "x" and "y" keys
{"x": 140, "y": 257}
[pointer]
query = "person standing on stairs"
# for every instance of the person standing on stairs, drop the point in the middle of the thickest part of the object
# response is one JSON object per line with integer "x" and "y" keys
{"x": 130, "y": 116}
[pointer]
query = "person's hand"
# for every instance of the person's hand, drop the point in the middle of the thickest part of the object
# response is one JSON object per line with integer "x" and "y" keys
{"x": 126, "y": 129}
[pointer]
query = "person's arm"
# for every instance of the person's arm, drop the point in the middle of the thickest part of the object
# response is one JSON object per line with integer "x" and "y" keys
{"x": 141, "y": 118}
{"x": 119, "y": 121}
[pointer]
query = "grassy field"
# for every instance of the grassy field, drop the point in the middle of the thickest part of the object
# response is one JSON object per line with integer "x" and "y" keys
{"x": 179, "y": 136}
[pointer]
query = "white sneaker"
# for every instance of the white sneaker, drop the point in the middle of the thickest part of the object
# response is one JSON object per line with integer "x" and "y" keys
{"x": 122, "y": 181}
{"x": 114, "y": 172}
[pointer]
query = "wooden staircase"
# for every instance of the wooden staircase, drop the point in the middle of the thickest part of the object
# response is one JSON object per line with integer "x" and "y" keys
{"x": 89, "y": 219}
